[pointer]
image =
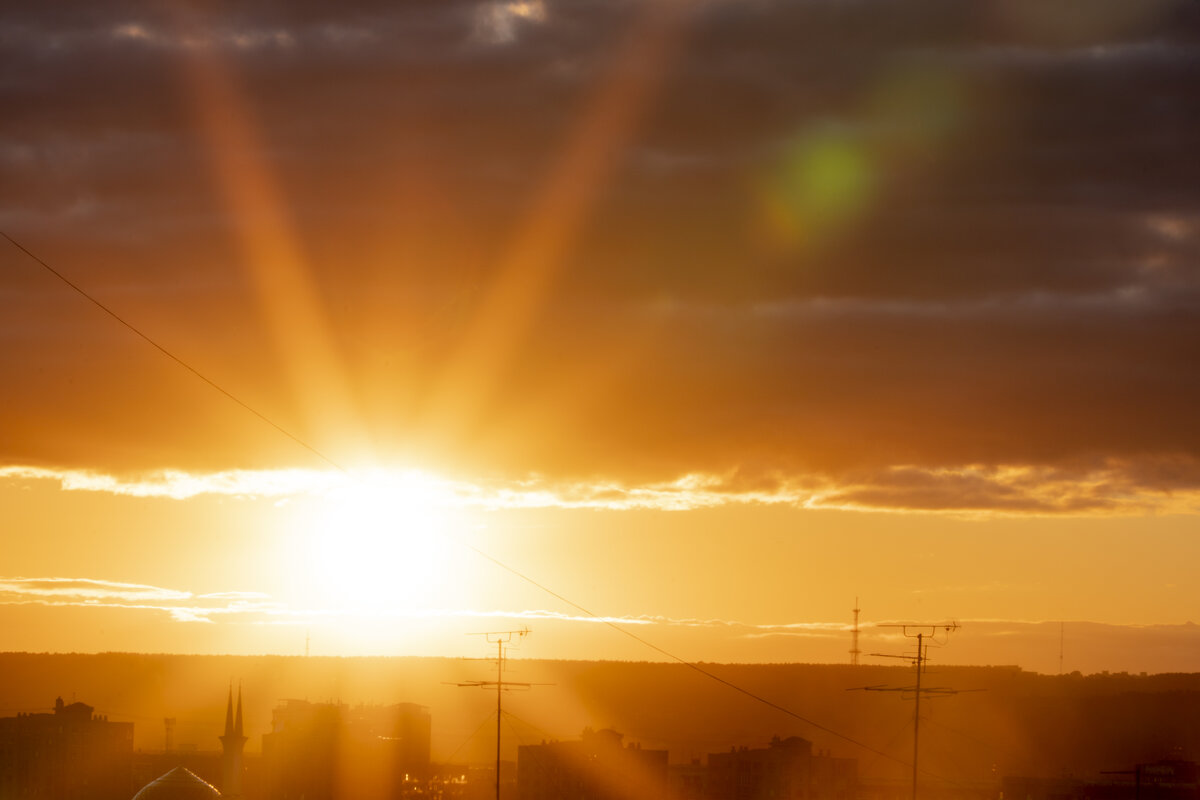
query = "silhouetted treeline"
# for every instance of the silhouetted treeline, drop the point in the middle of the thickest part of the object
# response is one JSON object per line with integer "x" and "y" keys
{"x": 1005, "y": 721}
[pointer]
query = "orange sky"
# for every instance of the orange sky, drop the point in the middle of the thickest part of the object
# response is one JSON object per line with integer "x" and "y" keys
{"x": 708, "y": 317}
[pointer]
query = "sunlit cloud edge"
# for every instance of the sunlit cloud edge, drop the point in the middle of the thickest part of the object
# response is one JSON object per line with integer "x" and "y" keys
{"x": 1112, "y": 488}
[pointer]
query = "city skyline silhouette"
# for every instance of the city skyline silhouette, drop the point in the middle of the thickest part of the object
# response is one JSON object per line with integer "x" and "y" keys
{"x": 714, "y": 341}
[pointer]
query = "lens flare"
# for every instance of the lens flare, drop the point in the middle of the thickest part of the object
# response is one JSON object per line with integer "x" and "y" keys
{"x": 822, "y": 183}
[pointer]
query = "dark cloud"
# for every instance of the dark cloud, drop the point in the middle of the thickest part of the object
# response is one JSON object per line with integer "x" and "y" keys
{"x": 844, "y": 236}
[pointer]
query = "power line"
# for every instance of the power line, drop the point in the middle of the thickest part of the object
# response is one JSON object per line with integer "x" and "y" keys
{"x": 902, "y": 730}
{"x": 545, "y": 734}
{"x": 508, "y": 718}
{"x": 694, "y": 666}
{"x": 310, "y": 448}
{"x": 467, "y": 740}
{"x": 137, "y": 331}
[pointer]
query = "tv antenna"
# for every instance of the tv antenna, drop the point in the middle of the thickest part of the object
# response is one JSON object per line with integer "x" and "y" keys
{"x": 924, "y": 633}
{"x": 501, "y": 639}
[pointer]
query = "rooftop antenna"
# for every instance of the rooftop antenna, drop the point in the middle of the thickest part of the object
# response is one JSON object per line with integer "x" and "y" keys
{"x": 854, "y": 651}
{"x": 500, "y": 639}
{"x": 921, "y": 631}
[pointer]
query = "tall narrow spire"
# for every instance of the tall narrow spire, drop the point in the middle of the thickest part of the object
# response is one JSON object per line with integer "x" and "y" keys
{"x": 229, "y": 711}
{"x": 237, "y": 724}
{"x": 231, "y": 749}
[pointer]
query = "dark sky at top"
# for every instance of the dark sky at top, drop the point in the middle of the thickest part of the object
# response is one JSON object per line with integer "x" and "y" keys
{"x": 859, "y": 241}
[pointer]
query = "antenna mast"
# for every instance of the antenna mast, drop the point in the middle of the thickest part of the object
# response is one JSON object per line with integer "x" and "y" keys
{"x": 921, "y": 632}
{"x": 854, "y": 651}
{"x": 1061, "y": 626}
{"x": 500, "y": 639}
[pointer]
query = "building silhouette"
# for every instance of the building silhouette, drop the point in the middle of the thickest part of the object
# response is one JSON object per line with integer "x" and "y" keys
{"x": 687, "y": 781}
{"x": 233, "y": 741}
{"x": 323, "y": 751}
{"x": 1168, "y": 779}
{"x": 179, "y": 783}
{"x": 70, "y": 753}
{"x": 598, "y": 767}
{"x": 786, "y": 768}
{"x": 480, "y": 783}
{"x": 189, "y": 773}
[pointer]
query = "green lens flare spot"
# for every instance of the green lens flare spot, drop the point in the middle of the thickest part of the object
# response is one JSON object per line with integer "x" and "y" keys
{"x": 822, "y": 183}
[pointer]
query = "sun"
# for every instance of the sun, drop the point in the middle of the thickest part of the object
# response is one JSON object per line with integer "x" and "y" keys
{"x": 379, "y": 543}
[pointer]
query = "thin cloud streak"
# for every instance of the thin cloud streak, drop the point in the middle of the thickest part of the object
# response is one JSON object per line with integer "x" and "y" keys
{"x": 246, "y": 39}
{"x": 91, "y": 592}
{"x": 1090, "y": 645}
{"x": 185, "y": 606}
{"x": 251, "y": 606}
{"x": 88, "y": 588}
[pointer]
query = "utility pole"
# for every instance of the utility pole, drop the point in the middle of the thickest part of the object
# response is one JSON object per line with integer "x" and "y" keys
{"x": 917, "y": 712}
{"x": 500, "y": 639}
{"x": 923, "y": 633}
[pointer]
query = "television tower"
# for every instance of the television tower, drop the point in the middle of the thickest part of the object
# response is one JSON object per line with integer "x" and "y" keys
{"x": 854, "y": 651}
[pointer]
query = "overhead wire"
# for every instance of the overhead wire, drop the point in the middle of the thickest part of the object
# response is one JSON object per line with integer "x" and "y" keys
{"x": 696, "y": 667}
{"x": 467, "y": 740}
{"x": 545, "y": 734}
{"x": 904, "y": 728}
{"x": 160, "y": 348}
{"x": 319, "y": 454}
{"x": 508, "y": 723}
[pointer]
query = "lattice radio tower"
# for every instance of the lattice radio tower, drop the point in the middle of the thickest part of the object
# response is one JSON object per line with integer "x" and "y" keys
{"x": 854, "y": 651}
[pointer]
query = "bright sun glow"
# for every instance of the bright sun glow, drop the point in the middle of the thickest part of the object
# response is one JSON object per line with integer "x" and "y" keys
{"x": 379, "y": 543}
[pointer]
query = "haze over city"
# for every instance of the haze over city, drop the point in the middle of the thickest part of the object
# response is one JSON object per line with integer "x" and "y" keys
{"x": 353, "y": 329}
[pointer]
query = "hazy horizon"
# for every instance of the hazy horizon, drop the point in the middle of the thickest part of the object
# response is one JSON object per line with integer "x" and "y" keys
{"x": 1087, "y": 648}
{"x": 1003, "y": 721}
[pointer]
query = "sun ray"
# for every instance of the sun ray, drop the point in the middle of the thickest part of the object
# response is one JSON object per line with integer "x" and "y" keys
{"x": 525, "y": 272}
{"x": 271, "y": 248}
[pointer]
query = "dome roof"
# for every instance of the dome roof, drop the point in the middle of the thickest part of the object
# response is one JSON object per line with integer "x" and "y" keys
{"x": 178, "y": 784}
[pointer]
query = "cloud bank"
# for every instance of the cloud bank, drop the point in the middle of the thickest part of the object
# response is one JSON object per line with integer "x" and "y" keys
{"x": 935, "y": 256}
